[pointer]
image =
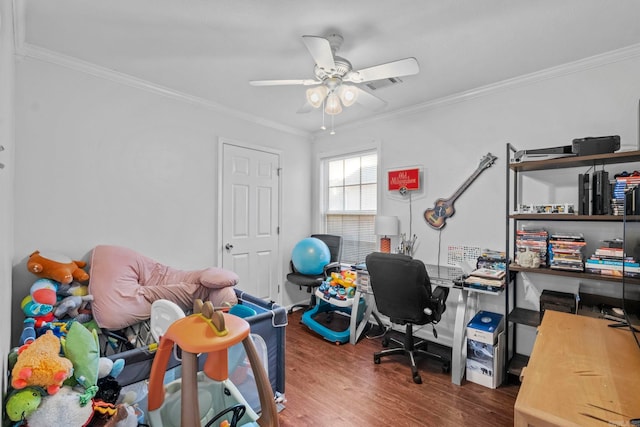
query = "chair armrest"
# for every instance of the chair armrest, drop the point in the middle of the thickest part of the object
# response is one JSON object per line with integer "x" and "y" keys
{"x": 438, "y": 303}
{"x": 441, "y": 293}
{"x": 331, "y": 266}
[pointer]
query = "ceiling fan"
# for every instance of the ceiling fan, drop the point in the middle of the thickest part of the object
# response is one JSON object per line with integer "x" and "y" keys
{"x": 335, "y": 79}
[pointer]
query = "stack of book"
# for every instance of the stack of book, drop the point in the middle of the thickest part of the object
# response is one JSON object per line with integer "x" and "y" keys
{"x": 534, "y": 240}
{"x": 611, "y": 262}
{"x": 565, "y": 251}
{"x": 486, "y": 279}
{"x": 625, "y": 187}
{"x": 495, "y": 260}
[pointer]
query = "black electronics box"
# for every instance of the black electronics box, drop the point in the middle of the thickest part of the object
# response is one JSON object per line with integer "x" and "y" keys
{"x": 584, "y": 207}
{"x": 557, "y": 301}
{"x": 595, "y": 145}
{"x": 600, "y": 193}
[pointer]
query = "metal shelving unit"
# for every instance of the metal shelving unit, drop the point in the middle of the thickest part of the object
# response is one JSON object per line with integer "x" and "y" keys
{"x": 519, "y": 316}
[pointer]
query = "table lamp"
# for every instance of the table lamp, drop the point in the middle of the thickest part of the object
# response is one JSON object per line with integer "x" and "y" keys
{"x": 386, "y": 226}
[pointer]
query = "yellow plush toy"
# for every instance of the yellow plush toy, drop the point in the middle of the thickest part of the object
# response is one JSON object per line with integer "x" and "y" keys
{"x": 40, "y": 364}
{"x": 57, "y": 267}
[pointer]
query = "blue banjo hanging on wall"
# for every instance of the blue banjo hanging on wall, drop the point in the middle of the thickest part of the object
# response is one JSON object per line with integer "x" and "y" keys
{"x": 443, "y": 208}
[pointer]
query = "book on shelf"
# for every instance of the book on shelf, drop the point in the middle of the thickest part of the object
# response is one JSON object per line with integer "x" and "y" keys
{"x": 610, "y": 252}
{"x": 607, "y": 267}
{"x": 488, "y": 273}
{"x": 567, "y": 236}
{"x": 567, "y": 267}
{"x": 618, "y": 262}
{"x": 484, "y": 287}
{"x": 492, "y": 259}
{"x": 631, "y": 269}
{"x": 611, "y": 272}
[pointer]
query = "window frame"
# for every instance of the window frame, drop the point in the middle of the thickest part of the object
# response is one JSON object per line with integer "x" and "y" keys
{"x": 324, "y": 161}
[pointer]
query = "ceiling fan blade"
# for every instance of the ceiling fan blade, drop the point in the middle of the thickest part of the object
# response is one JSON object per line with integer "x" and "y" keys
{"x": 306, "y": 108}
{"x": 306, "y": 82}
{"x": 402, "y": 67}
{"x": 320, "y": 50}
{"x": 370, "y": 101}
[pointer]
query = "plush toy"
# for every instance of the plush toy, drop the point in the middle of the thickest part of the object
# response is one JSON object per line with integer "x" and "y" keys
{"x": 73, "y": 289}
{"x": 43, "y": 291}
{"x": 41, "y": 313}
{"x": 124, "y": 416}
{"x": 528, "y": 259}
{"x": 21, "y": 403}
{"x": 40, "y": 364}
{"x": 28, "y": 334}
{"x": 57, "y": 267}
{"x": 71, "y": 306}
{"x": 61, "y": 408}
{"x": 108, "y": 367}
{"x": 125, "y": 283}
{"x": 82, "y": 349}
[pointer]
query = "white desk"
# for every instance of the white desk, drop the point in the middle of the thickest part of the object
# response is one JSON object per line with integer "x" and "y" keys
{"x": 466, "y": 308}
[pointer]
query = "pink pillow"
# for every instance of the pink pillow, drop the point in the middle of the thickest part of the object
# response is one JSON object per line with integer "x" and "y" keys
{"x": 125, "y": 283}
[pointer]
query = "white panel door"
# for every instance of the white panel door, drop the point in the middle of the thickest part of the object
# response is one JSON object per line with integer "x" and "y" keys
{"x": 250, "y": 213}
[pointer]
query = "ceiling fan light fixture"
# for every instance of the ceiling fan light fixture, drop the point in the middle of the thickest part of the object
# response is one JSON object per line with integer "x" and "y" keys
{"x": 333, "y": 106}
{"x": 316, "y": 95}
{"x": 348, "y": 95}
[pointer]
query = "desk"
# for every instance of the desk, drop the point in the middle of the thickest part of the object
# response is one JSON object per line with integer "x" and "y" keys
{"x": 466, "y": 308}
{"x": 451, "y": 277}
{"x": 581, "y": 372}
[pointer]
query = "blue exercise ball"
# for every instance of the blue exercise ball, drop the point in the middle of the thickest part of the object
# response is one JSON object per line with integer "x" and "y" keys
{"x": 310, "y": 255}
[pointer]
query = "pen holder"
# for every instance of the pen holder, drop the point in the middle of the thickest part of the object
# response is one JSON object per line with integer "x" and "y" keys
{"x": 407, "y": 246}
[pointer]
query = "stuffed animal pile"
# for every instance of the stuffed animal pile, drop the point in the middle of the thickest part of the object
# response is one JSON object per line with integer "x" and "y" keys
{"x": 57, "y": 372}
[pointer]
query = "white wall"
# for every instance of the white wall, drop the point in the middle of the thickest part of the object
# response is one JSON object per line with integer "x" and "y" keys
{"x": 6, "y": 178}
{"x": 100, "y": 162}
{"x": 449, "y": 138}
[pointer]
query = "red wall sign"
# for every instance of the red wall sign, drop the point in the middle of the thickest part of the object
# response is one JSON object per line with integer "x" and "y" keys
{"x": 407, "y": 178}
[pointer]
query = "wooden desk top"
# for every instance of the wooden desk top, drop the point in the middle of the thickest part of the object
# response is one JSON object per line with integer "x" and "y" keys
{"x": 581, "y": 373}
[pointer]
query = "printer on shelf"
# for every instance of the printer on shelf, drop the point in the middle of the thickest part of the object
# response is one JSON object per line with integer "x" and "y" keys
{"x": 579, "y": 147}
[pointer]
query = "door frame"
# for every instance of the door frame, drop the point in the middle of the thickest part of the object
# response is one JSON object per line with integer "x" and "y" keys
{"x": 222, "y": 141}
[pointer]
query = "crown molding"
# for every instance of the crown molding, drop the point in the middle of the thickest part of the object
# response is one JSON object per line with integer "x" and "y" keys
{"x": 618, "y": 55}
{"x": 34, "y": 52}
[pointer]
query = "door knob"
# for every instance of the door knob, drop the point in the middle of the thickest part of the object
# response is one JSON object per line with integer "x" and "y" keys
{"x": 228, "y": 246}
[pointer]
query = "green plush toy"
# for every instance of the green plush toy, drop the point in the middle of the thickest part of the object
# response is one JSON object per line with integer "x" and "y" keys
{"x": 81, "y": 347}
{"x": 22, "y": 403}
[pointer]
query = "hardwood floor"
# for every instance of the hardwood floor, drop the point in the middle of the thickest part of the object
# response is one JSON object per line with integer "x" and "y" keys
{"x": 339, "y": 385}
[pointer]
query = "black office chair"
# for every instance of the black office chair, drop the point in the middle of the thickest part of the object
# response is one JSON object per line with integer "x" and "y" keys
{"x": 311, "y": 282}
{"x": 402, "y": 291}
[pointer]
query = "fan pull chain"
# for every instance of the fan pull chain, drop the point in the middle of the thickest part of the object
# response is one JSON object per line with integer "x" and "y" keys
{"x": 323, "y": 127}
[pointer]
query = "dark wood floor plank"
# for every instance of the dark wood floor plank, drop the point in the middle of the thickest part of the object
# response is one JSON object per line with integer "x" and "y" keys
{"x": 339, "y": 385}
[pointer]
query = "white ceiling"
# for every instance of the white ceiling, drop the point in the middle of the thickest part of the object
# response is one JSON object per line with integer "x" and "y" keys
{"x": 211, "y": 49}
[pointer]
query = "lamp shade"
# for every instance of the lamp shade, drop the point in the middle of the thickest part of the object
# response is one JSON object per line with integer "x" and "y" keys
{"x": 348, "y": 95}
{"x": 333, "y": 104}
{"x": 316, "y": 95}
{"x": 386, "y": 225}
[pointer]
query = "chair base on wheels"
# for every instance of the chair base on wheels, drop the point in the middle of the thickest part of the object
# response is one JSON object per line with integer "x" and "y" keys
{"x": 306, "y": 307}
{"x": 412, "y": 350}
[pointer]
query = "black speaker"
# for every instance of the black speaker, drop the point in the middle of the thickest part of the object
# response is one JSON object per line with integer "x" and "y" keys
{"x": 595, "y": 145}
{"x": 600, "y": 193}
{"x": 583, "y": 194}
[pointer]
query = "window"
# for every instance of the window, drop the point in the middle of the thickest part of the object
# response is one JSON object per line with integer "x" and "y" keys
{"x": 351, "y": 199}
